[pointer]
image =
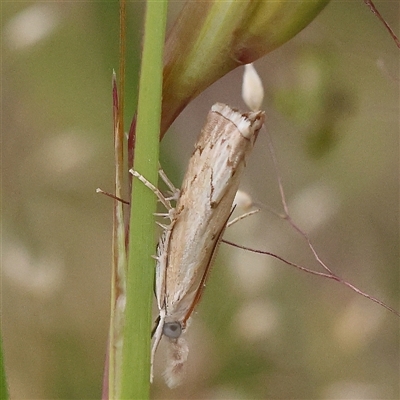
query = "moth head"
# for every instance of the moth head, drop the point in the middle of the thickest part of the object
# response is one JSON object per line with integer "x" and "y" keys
{"x": 172, "y": 329}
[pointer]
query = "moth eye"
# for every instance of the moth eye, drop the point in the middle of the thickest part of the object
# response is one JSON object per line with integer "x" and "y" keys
{"x": 172, "y": 330}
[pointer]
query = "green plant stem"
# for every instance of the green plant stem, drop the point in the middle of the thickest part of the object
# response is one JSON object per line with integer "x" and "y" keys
{"x": 3, "y": 380}
{"x": 136, "y": 348}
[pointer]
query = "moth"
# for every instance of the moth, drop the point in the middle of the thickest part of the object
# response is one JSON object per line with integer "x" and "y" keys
{"x": 188, "y": 245}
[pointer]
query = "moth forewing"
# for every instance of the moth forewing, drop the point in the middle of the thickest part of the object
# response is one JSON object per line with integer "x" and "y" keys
{"x": 202, "y": 285}
{"x": 205, "y": 202}
{"x": 188, "y": 244}
{"x": 200, "y": 217}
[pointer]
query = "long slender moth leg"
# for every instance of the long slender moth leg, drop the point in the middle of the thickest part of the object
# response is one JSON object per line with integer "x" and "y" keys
{"x": 175, "y": 192}
{"x": 163, "y": 215}
{"x": 243, "y": 201}
{"x": 165, "y": 202}
{"x": 243, "y": 216}
{"x": 202, "y": 211}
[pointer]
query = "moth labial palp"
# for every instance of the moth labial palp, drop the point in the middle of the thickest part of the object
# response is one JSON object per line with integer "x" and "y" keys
{"x": 187, "y": 245}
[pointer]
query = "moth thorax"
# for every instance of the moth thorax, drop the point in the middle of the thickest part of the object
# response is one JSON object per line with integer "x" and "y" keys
{"x": 172, "y": 329}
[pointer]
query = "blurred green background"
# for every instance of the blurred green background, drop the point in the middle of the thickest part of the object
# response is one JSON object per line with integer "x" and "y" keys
{"x": 263, "y": 330}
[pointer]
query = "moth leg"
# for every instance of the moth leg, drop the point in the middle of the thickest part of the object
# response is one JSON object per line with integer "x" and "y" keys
{"x": 165, "y": 202}
{"x": 243, "y": 201}
{"x": 243, "y": 216}
{"x": 164, "y": 215}
{"x": 174, "y": 191}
